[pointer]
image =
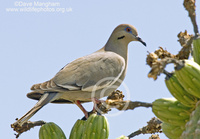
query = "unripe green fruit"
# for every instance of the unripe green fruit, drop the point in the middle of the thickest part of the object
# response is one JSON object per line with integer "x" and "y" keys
{"x": 196, "y": 49}
{"x": 96, "y": 127}
{"x": 172, "y": 131}
{"x": 171, "y": 111}
{"x": 189, "y": 77}
{"x": 51, "y": 131}
{"x": 77, "y": 130}
{"x": 178, "y": 91}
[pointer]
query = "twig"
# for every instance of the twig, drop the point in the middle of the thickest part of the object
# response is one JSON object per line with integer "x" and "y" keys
{"x": 158, "y": 59}
{"x": 191, "y": 7}
{"x": 185, "y": 41}
{"x": 127, "y": 105}
{"x": 153, "y": 126}
{"x": 115, "y": 100}
{"x": 159, "y": 66}
{"x": 26, "y": 126}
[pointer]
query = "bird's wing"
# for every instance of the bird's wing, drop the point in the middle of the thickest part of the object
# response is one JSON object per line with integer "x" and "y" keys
{"x": 101, "y": 69}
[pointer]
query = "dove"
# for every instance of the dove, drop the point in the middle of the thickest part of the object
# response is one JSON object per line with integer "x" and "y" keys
{"x": 87, "y": 78}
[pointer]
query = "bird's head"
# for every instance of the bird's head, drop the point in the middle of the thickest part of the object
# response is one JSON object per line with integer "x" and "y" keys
{"x": 127, "y": 33}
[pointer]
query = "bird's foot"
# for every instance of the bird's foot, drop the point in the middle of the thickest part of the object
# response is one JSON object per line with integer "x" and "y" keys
{"x": 99, "y": 106}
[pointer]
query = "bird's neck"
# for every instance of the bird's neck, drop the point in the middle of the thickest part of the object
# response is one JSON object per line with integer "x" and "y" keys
{"x": 117, "y": 46}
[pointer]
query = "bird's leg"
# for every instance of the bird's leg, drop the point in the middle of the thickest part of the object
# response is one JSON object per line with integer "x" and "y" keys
{"x": 78, "y": 103}
{"x": 96, "y": 102}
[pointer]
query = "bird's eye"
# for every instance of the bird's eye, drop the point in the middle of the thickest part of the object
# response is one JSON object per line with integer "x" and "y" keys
{"x": 128, "y": 29}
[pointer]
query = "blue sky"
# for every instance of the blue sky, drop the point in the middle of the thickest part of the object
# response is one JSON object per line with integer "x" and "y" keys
{"x": 34, "y": 46}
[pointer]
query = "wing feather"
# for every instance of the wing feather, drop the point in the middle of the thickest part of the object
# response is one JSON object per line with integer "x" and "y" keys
{"x": 84, "y": 73}
{"x": 87, "y": 71}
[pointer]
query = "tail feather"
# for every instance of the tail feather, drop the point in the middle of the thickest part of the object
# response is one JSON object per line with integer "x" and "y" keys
{"x": 46, "y": 98}
{"x": 37, "y": 95}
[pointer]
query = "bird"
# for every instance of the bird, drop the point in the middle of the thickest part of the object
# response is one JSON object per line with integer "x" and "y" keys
{"x": 87, "y": 78}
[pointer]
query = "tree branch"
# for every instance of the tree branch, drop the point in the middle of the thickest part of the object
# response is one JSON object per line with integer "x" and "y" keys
{"x": 153, "y": 126}
{"x": 115, "y": 100}
{"x": 191, "y": 7}
{"x": 26, "y": 126}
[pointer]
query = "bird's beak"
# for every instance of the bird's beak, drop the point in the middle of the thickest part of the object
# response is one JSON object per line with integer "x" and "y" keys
{"x": 140, "y": 40}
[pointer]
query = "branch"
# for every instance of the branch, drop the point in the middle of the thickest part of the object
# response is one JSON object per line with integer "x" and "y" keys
{"x": 153, "y": 126}
{"x": 115, "y": 100}
{"x": 159, "y": 66}
{"x": 191, "y": 7}
{"x": 160, "y": 58}
{"x": 127, "y": 105}
{"x": 26, "y": 126}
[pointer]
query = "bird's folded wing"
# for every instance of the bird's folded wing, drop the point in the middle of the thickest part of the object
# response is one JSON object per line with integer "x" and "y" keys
{"x": 101, "y": 69}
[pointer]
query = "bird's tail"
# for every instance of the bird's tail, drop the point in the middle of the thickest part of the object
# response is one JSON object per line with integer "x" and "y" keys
{"x": 46, "y": 98}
